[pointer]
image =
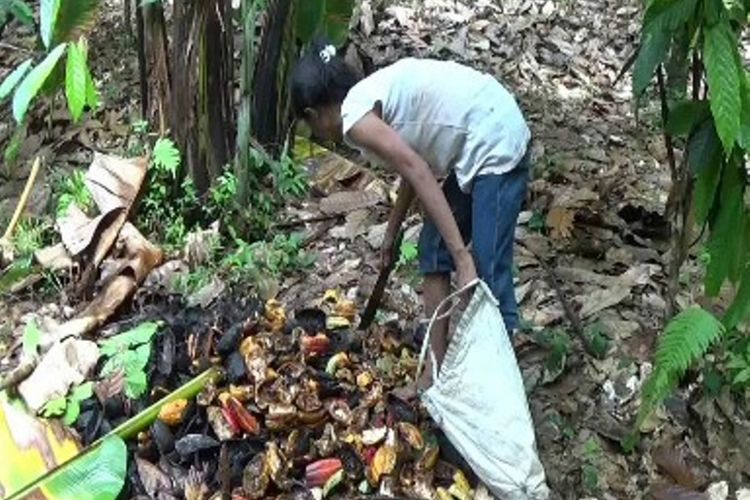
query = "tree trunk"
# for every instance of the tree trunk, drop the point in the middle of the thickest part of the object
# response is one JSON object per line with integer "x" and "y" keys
{"x": 202, "y": 101}
{"x": 127, "y": 14}
{"x": 157, "y": 64}
{"x": 271, "y": 103}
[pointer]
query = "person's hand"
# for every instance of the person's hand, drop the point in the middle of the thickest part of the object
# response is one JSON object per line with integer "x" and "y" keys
{"x": 466, "y": 271}
{"x": 388, "y": 250}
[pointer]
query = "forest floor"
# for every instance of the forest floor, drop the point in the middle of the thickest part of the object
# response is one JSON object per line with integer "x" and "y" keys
{"x": 592, "y": 236}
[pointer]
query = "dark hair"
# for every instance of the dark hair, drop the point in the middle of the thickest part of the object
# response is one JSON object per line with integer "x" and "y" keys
{"x": 320, "y": 78}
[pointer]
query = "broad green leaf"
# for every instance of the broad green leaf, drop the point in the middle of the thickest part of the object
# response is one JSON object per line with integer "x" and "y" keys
{"x": 336, "y": 18}
{"x": 685, "y": 115}
{"x": 29, "y": 447}
{"x": 123, "y": 341}
{"x": 76, "y": 19}
{"x": 739, "y": 310}
{"x": 723, "y": 72}
{"x": 704, "y": 147}
{"x": 309, "y": 18}
{"x": 744, "y": 138}
{"x": 32, "y": 337}
{"x": 30, "y": 86}
{"x": 668, "y": 15}
{"x": 10, "y": 81}
{"x": 705, "y": 189}
{"x": 723, "y": 243}
{"x": 55, "y": 407}
{"x": 82, "y": 392}
{"x": 96, "y": 475}
{"x": 652, "y": 51}
{"x": 76, "y": 73}
{"x": 48, "y": 12}
{"x": 136, "y": 384}
{"x": 72, "y": 411}
{"x": 16, "y": 272}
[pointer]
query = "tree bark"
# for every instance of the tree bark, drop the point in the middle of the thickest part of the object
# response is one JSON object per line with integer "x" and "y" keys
{"x": 202, "y": 100}
{"x": 157, "y": 64}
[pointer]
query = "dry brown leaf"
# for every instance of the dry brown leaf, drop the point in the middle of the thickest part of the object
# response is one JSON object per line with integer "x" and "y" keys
{"x": 154, "y": 480}
{"x": 560, "y": 221}
{"x": 65, "y": 364}
{"x": 671, "y": 461}
{"x": 54, "y": 258}
{"x": 348, "y": 201}
{"x": 115, "y": 182}
{"x": 674, "y": 492}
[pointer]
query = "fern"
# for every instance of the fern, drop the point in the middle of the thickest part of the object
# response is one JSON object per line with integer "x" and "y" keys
{"x": 166, "y": 156}
{"x": 686, "y": 339}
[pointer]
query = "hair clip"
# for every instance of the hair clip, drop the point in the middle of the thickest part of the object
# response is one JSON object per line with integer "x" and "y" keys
{"x": 327, "y": 53}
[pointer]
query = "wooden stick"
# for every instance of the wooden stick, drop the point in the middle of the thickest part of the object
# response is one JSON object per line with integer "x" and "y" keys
{"x": 22, "y": 201}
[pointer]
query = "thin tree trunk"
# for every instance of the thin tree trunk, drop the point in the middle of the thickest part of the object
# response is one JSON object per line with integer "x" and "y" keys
{"x": 202, "y": 100}
{"x": 157, "y": 63}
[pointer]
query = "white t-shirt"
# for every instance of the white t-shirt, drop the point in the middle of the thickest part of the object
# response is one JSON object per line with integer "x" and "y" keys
{"x": 453, "y": 116}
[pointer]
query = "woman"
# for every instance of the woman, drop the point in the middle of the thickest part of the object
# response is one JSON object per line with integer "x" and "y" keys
{"x": 432, "y": 121}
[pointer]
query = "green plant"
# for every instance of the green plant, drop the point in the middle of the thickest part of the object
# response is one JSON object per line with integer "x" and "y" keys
{"x": 61, "y": 25}
{"x": 558, "y": 344}
{"x": 69, "y": 406}
{"x": 591, "y": 454}
{"x": 252, "y": 261}
{"x": 685, "y": 340}
{"x": 537, "y": 222}
{"x": 72, "y": 190}
{"x": 129, "y": 353}
{"x": 694, "y": 45}
{"x": 31, "y": 339}
{"x": 17, "y": 9}
{"x": 31, "y": 235}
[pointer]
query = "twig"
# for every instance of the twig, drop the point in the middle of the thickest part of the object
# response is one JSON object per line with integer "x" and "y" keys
{"x": 300, "y": 222}
{"x": 22, "y": 201}
{"x": 554, "y": 280}
{"x": 10, "y": 46}
{"x": 18, "y": 375}
{"x": 664, "y": 118}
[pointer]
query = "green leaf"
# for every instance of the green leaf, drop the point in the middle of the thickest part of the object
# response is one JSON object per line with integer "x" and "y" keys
{"x": 55, "y": 407}
{"x": 723, "y": 242}
{"x": 76, "y": 73}
{"x": 668, "y": 15}
{"x": 136, "y": 384}
{"x": 723, "y": 72}
{"x": 685, "y": 115}
{"x": 705, "y": 190}
{"x": 96, "y": 475}
{"x": 76, "y": 19}
{"x": 32, "y": 337}
{"x": 72, "y": 411}
{"x": 119, "y": 343}
{"x": 23, "y": 12}
{"x": 166, "y": 156}
{"x": 651, "y": 53}
{"x": 685, "y": 340}
{"x": 309, "y": 19}
{"x": 704, "y": 147}
{"x": 10, "y": 81}
{"x": 30, "y": 86}
{"x": 48, "y": 12}
{"x": 82, "y": 392}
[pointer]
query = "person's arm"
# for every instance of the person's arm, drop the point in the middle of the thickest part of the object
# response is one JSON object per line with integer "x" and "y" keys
{"x": 373, "y": 134}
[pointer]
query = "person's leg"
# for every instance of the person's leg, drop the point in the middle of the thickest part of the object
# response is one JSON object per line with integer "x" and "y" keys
{"x": 496, "y": 203}
{"x": 436, "y": 264}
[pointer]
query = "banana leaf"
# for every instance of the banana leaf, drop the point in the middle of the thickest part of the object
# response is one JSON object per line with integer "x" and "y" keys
{"x": 45, "y": 461}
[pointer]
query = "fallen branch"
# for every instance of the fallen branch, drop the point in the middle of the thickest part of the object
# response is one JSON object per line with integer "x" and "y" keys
{"x": 18, "y": 375}
{"x": 554, "y": 280}
{"x": 22, "y": 202}
{"x": 308, "y": 220}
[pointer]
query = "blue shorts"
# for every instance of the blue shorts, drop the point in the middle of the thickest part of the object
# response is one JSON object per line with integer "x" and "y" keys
{"x": 487, "y": 218}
